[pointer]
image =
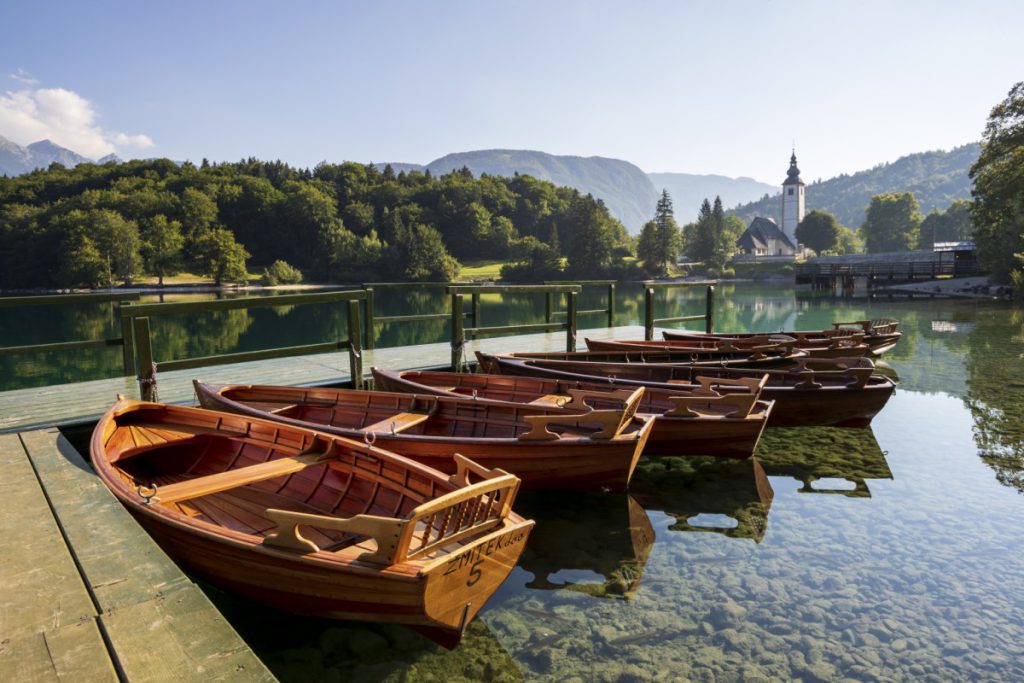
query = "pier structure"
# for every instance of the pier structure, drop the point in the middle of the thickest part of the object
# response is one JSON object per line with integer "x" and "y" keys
{"x": 846, "y": 274}
{"x": 85, "y": 593}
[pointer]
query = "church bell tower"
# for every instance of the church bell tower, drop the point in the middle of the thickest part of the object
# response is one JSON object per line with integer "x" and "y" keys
{"x": 792, "y": 200}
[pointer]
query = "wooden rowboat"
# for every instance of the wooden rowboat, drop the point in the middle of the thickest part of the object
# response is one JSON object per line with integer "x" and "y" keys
{"x": 740, "y": 352}
{"x": 546, "y": 448}
{"x": 686, "y": 422}
{"x": 817, "y": 391}
{"x": 879, "y": 335}
{"x": 775, "y": 359}
{"x": 382, "y": 538}
{"x": 840, "y": 347}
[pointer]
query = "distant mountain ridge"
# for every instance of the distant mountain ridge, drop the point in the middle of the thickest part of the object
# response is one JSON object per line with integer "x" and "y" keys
{"x": 688, "y": 190}
{"x": 15, "y": 159}
{"x": 936, "y": 178}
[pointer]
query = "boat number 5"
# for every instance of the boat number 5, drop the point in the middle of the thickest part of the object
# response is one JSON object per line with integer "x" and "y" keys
{"x": 474, "y": 573}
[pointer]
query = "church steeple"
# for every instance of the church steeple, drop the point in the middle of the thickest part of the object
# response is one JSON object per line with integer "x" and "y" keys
{"x": 792, "y": 200}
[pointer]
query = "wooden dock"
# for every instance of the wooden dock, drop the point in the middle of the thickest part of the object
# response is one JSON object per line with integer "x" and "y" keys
{"x": 85, "y": 594}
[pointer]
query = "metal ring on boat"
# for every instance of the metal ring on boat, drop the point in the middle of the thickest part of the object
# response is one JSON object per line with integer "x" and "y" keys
{"x": 147, "y": 493}
{"x": 370, "y": 438}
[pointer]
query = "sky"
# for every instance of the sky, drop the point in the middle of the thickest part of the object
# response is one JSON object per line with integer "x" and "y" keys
{"x": 720, "y": 87}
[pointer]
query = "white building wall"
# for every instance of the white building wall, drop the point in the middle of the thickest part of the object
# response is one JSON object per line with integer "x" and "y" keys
{"x": 792, "y": 210}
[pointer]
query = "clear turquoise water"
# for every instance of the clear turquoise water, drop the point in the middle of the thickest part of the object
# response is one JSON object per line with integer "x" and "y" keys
{"x": 893, "y": 553}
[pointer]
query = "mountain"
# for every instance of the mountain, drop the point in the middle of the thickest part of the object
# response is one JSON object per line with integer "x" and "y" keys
{"x": 15, "y": 159}
{"x": 688, "y": 190}
{"x": 936, "y": 179}
{"x": 112, "y": 158}
{"x": 624, "y": 188}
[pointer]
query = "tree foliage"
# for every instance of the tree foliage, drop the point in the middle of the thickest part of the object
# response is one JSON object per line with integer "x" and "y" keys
{"x": 893, "y": 223}
{"x": 281, "y": 273}
{"x": 952, "y": 225}
{"x": 338, "y": 222}
{"x": 998, "y": 176}
{"x": 660, "y": 240}
{"x": 819, "y": 230}
{"x": 712, "y": 238}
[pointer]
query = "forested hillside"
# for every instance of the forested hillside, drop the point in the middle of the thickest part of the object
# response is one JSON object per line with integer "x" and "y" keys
{"x": 93, "y": 224}
{"x": 935, "y": 178}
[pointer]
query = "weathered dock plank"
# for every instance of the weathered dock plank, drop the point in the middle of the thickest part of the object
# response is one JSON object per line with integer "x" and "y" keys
{"x": 24, "y": 409}
{"x": 40, "y": 587}
{"x": 72, "y": 653}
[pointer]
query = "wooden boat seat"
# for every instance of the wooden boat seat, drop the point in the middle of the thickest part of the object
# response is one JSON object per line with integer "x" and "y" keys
{"x": 612, "y": 421}
{"x": 222, "y": 481}
{"x": 727, "y": 406}
{"x": 554, "y": 400}
{"x": 398, "y": 422}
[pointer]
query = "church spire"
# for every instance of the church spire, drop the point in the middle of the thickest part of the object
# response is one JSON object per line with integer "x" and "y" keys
{"x": 793, "y": 174}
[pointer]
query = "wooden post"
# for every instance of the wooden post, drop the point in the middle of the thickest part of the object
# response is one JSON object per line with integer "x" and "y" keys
{"x": 649, "y": 313}
{"x": 549, "y": 308}
{"x": 355, "y": 353}
{"x": 570, "y": 323}
{"x": 611, "y": 304}
{"x": 709, "y": 315}
{"x": 128, "y": 348}
{"x": 144, "y": 351}
{"x": 370, "y": 326}
{"x": 458, "y": 336}
{"x": 475, "y": 303}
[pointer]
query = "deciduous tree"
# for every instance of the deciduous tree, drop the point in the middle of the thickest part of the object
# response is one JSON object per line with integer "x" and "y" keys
{"x": 893, "y": 223}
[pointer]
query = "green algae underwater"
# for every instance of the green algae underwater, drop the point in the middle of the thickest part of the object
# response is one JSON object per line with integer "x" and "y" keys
{"x": 889, "y": 553}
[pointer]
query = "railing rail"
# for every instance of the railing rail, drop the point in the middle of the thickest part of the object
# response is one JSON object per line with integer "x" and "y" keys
{"x": 609, "y": 310}
{"x": 460, "y": 333}
{"x": 372, "y": 319}
{"x": 137, "y": 318}
{"x": 118, "y": 299}
{"x": 650, "y": 321}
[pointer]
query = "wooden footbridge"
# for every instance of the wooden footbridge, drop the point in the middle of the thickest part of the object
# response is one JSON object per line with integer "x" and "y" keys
{"x": 85, "y": 594}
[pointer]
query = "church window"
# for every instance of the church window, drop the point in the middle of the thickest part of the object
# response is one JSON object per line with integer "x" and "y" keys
{"x": 791, "y": 191}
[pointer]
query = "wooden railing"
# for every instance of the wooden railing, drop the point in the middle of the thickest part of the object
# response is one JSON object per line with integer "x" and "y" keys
{"x": 118, "y": 299}
{"x": 550, "y": 312}
{"x": 141, "y": 339}
{"x": 372, "y": 319}
{"x": 460, "y": 333}
{"x": 650, "y": 321}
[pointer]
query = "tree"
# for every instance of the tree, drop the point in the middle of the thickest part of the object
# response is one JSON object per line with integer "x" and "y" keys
{"x": 848, "y": 242}
{"x": 893, "y": 223}
{"x": 998, "y": 192}
{"x": 952, "y": 225}
{"x": 662, "y": 242}
{"x": 819, "y": 230}
{"x": 221, "y": 257}
{"x": 161, "y": 246}
{"x": 280, "y": 273}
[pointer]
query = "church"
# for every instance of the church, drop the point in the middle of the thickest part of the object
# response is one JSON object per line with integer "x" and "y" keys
{"x": 764, "y": 237}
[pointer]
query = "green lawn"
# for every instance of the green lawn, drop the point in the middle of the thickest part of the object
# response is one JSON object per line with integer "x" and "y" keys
{"x": 481, "y": 269}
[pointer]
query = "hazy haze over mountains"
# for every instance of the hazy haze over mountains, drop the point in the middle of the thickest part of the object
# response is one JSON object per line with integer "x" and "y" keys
{"x": 15, "y": 159}
{"x": 688, "y": 190}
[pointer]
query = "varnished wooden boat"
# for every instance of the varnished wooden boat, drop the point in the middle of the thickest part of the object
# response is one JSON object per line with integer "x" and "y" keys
{"x": 817, "y": 391}
{"x": 879, "y": 335}
{"x": 382, "y": 538}
{"x": 545, "y": 448}
{"x": 738, "y": 352}
{"x": 774, "y": 360}
{"x": 839, "y": 347}
{"x": 686, "y": 421}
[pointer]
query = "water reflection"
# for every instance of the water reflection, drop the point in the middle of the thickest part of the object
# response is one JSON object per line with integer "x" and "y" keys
{"x": 727, "y": 497}
{"x": 594, "y": 544}
{"x": 823, "y": 458}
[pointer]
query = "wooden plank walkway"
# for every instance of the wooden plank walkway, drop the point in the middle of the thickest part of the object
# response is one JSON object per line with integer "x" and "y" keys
{"x": 87, "y": 401}
{"x": 85, "y": 593}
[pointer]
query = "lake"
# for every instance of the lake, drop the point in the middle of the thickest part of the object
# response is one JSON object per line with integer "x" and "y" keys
{"x": 889, "y": 553}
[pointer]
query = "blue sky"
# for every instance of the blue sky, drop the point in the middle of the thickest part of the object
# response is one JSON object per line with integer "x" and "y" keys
{"x": 699, "y": 87}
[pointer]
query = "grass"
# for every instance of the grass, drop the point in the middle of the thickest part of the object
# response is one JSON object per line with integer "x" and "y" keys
{"x": 481, "y": 269}
{"x": 185, "y": 279}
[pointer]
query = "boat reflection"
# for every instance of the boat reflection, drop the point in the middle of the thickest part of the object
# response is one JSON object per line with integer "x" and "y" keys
{"x": 728, "y": 497}
{"x": 590, "y": 543}
{"x": 825, "y": 459}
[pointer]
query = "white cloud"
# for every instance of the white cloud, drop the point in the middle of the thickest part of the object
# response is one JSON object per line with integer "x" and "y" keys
{"x": 66, "y": 118}
{"x": 24, "y": 77}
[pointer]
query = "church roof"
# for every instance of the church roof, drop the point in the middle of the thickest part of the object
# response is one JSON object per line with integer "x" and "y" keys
{"x": 761, "y": 231}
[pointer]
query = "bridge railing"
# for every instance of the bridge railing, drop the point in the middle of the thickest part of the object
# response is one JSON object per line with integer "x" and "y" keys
{"x": 118, "y": 299}
{"x": 140, "y": 315}
{"x": 460, "y": 333}
{"x": 650, "y": 321}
